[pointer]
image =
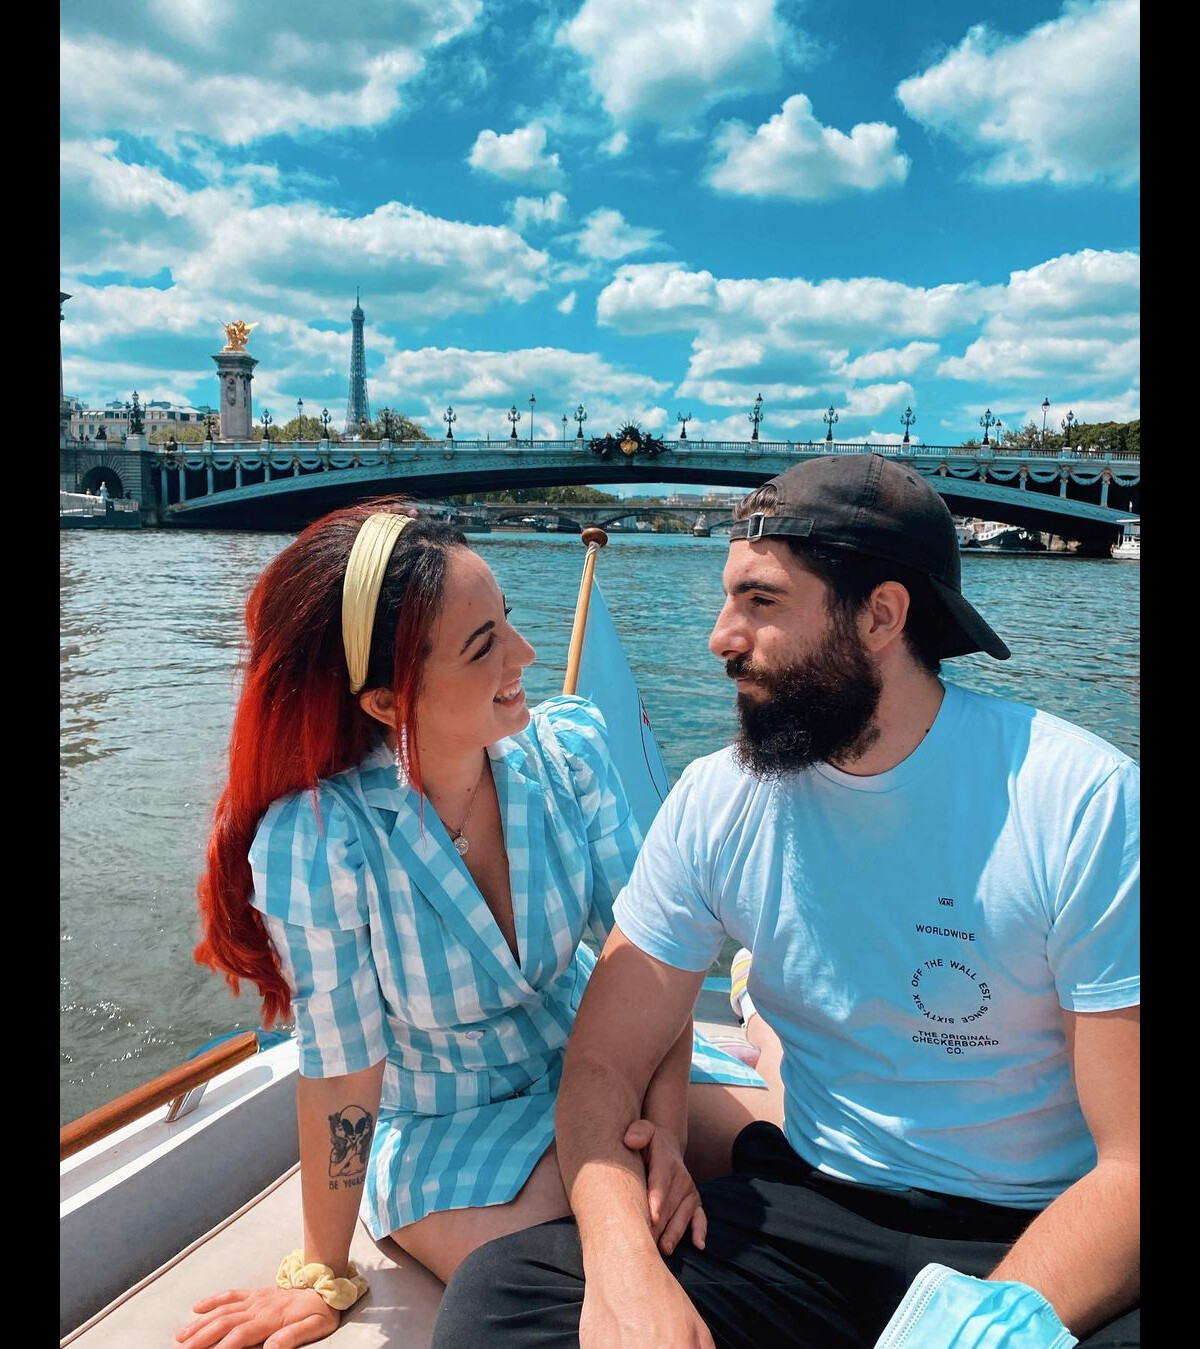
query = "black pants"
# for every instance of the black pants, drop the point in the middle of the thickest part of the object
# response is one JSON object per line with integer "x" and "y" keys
{"x": 792, "y": 1257}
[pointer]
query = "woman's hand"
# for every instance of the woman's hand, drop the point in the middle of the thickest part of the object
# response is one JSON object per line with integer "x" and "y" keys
{"x": 670, "y": 1191}
{"x": 276, "y": 1318}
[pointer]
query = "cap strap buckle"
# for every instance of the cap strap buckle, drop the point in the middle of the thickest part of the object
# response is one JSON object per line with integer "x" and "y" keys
{"x": 754, "y": 526}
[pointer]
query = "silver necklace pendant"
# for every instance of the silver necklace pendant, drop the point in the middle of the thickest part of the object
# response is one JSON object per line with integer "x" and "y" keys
{"x": 462, "y": 845}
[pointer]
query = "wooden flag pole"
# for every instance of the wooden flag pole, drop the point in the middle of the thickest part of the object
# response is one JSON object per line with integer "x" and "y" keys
{"x": 594, "y": 539}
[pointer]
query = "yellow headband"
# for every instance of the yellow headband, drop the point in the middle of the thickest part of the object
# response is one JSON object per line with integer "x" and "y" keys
{"x": 360, "y": 590}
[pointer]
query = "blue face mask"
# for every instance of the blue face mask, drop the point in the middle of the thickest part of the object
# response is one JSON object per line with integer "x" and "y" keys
{"x": 955, "y": 1311}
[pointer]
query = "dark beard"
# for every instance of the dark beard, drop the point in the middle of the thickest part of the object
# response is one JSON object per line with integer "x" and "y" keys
{"x": 817, "y": 710}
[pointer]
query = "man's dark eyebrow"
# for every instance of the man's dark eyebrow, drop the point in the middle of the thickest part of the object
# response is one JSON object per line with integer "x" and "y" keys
{"x": 479, "y": 631}
{"x": 770, "y": 587}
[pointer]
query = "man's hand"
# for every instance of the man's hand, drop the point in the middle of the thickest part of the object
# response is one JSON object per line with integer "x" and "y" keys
{"x": 670, "y": 1191}
{"x": 644, "y": 1307}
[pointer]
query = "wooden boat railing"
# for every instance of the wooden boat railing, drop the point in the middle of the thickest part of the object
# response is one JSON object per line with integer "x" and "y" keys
{"x": 169, "y": 1088}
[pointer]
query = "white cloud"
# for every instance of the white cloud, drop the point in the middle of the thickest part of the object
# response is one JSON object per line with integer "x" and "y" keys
{"x": 794, "y": 157}
{"x": 567, "y": 303}
{"x": 607, "y": 236}
{"x": 1071, "y": 318}
{"x": 1059, "y": 104}
{"x": 517, "y": 156}
{"x": 235, "y": 74}
{"x": 661, "y": 62}
{"x": 536, "y": 211}
{"x": 301, "y": 260}
{"x": 667, "y": 297}
{"x": 1074, "y": 360}
{"x": 483, "y": 385}
{"x": 892, "y": 361}
{"x": 1091, "y": 287}
{"x": 616, "y": 144}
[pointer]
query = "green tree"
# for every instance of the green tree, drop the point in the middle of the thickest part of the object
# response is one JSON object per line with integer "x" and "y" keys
{"x": 183, "y": 435}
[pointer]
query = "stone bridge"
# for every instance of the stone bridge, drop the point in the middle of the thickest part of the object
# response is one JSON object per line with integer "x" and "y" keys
{"x": 1075, "y": 494}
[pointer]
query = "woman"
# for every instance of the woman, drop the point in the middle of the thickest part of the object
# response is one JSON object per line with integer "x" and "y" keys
{"x": 406, "y": 859}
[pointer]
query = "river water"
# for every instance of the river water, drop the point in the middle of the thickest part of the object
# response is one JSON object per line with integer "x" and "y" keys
{"x": 150, "y": 632}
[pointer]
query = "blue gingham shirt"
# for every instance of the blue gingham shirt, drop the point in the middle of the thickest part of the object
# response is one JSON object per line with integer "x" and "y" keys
{"x": 391, "y": 950}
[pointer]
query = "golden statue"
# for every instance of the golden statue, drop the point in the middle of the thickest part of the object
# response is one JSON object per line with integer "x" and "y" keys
{"x": 236, "y": 334}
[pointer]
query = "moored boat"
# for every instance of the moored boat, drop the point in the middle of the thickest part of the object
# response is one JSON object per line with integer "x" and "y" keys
{"x": 1128, "y": 547}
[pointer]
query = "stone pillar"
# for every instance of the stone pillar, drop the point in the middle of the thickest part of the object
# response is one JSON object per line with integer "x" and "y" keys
{"x": 235, "y": 370}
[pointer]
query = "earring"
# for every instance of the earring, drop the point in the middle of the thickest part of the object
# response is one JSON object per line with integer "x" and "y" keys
{"x": 403, "y": 767}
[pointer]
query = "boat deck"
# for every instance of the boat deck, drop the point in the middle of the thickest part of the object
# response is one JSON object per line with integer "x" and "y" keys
{"x": 244, "y": 1250}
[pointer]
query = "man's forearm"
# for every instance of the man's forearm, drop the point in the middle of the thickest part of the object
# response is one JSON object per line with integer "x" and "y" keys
{"x": 1083, "y": 1253}
{"x": 604, "y": 1180}
{"x": 666, "y": 1100}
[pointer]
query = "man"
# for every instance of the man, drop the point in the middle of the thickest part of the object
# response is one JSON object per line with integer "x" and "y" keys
{"x": 940, "y": 892}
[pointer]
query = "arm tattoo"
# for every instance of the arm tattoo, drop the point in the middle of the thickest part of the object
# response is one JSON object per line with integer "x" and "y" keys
{"x": 350, "y": 1133}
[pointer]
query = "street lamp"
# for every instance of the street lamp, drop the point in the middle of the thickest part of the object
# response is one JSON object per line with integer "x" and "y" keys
{"x": 325, "y": 420}
{"x": 1068, "y": 422}
{"x": 756, "y": 417}
{"x": 210, "y": 425}
{"x": 829, "y": 418}
{"x": 1045, "y": 409}
{"x": 513, "y": 416}
{"x": 987, "y": 421}
{"x": 449, "y": 417}
{"x": 385, "y": 421}
{"x": 564, "y": 422}
{"x": 266, "y": 421}
{"x": 679, "y": 417}
{"x": 532, "y": 400}
{"x": 906, "y": 421}
{"x": 299, "y": 418}
{"x": 581, "y": 417}
{"x": 999, "y": 424}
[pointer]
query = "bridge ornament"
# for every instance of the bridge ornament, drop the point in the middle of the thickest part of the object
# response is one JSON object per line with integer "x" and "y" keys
{"x": 630, "y": 440}
{"x": 237, "y": 334}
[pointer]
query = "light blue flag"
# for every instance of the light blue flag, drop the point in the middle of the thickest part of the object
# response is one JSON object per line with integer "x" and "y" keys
{"x": 606, "y": 680}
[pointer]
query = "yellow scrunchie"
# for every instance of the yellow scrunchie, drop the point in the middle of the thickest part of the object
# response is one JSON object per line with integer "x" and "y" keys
{"x": 337, "y": 1293}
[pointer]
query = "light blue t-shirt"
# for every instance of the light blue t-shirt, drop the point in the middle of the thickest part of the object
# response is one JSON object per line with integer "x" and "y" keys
{"x": 914, "y": 936}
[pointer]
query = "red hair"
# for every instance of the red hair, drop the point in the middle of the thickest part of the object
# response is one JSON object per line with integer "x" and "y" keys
{"x": 296, "y": 720}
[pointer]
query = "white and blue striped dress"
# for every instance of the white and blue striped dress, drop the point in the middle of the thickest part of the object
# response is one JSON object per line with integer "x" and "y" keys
{"x": 391, "y": 951}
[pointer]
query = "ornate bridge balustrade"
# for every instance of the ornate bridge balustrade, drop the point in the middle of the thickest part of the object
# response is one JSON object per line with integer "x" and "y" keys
{"x": 1072, "y": 493}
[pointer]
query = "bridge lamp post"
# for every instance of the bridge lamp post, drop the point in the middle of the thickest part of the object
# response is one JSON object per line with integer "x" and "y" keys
{"x": 987, "y": 421}
{"x": 266, "y": 421}
{"x": 1067, "y": 423}
{"x": 449, "y": 418}
{"x": 564, "y": 422}
{"x": 299, "y": 418}
{"x": 906, "y": 421}
{"x": 996, "y": 438}
{"x": 385, "y": 422}
{"x": 210, "y": 426}
{"x": 513, "y": 416}
{"x": 532, "y": 400}
{"x": 829, "y": 418}
{"x": 1045, "y": 409}
{"x": 679, "y": 417}
{"x": 580, "y": 417}
{"x": 325, "y": 420}
{"x": 756, "y": 417}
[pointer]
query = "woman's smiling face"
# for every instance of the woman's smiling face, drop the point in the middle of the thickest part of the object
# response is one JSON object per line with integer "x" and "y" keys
{"x": 471, "y": 693}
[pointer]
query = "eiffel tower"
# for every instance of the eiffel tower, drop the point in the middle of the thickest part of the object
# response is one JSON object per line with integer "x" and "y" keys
{"x": 358, "y": 409}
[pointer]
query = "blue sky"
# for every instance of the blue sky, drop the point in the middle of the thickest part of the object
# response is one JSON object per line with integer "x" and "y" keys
{"x": 651, "y": 207}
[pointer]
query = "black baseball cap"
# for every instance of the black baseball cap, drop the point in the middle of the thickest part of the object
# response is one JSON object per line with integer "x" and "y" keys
{"x": 865, "y": 503}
